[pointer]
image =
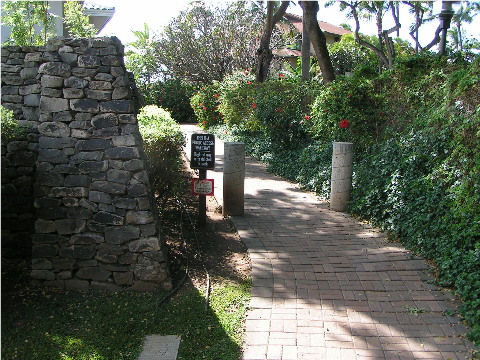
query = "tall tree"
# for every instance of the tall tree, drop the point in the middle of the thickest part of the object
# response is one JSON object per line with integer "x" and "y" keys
{"x": 317, "y": 37}
{"x": 203, "y": 44}
{"x": 385, "y": 47}
{"x": 76, "y": 22}
{"x": 22, "y": 16}
{"x": 422, "y": 11}
{"x": 264, "y": 52}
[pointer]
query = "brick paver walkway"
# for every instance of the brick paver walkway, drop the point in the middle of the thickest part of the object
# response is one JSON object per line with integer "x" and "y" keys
{"x": 326, "y": 286}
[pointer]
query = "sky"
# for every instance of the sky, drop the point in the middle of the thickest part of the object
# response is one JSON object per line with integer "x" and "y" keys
{"x": 132, "y": 14}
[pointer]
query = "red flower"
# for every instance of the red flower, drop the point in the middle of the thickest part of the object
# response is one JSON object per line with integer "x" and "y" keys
{"x": 279, "y": 109}
{"x": 200, "y": 104}
{"x": 344, "y": 123}
{"x": 254, "y": 105}
{"x": 204, "y": 122}
{"x": 226, "y": 132}
{"x": 326, "y": 110}
{"x": 290, "y": 125}
{"x": 307, "y": 117}
{"x": 249, "y": 82}
{"x": 281, "y": 75}
{"x": 215, "y": 96}
{"x": 301, "y": 122}
{"x": 204, "y": 108}
{"x": 349, "y": 95}
{"x": 214, "y": 117}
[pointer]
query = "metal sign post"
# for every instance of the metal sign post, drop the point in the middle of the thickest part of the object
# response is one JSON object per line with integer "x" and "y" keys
{"x": 202, "y": 158}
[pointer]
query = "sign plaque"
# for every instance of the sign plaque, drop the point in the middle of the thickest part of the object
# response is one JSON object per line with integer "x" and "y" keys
{"x": 202, "y": 187}
{"x": 203, "y": 151}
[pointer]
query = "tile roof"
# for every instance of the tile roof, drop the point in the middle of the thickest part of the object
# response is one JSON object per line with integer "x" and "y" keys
{"x": 296, "y": 21}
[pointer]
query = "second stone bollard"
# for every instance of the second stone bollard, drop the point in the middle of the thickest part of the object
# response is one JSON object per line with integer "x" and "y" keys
{"x": 233, "y": 178}
{"x": 341, "y": 181}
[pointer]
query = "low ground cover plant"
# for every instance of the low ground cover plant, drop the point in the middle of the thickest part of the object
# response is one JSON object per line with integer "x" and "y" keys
{"x": 416, "y": 133}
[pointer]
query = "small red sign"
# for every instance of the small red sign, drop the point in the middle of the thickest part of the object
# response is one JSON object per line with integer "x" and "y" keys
{"x": 202, "y": 187}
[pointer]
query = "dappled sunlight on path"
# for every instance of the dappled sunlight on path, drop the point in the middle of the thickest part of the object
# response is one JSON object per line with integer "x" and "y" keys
{"x": 326, "y": 286}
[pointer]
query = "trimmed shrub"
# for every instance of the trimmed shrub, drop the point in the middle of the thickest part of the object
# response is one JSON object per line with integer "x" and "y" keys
{"x": 163, "y": 143}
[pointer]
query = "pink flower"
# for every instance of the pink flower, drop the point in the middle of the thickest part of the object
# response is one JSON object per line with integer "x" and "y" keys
{"x": 307, "y": 117}
{"x": 279, "y": 109}
{"x": 254, "y": 105}
{"x": 204, "y": 108}
{"x": 344, "y": 123}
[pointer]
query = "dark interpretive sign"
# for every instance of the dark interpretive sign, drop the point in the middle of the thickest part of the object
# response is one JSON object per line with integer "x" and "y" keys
{"x": 203, "y": 151}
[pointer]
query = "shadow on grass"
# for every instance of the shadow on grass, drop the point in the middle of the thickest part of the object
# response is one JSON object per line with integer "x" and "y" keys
{"x": 50, "y": 324}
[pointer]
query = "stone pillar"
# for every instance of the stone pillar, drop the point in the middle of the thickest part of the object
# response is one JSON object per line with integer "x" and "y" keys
{"x": 233, "y": 178}
{"x": 341, "y": 181}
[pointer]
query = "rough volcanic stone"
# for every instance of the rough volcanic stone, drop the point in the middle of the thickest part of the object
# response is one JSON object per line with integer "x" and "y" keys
{"x": 44, "y": 250}
{"x": 54, "y": 129}
{"x": 139, "y": 217}
{"x": 52, "y": 213}
{"x": 49, "y": 81}
{"x": 70, "y": 226}
{"x": 65, "y": 191}
{"x": 88, "y": 61}
{"x": 49, "y": 104}
{"x": 41, "y": 264}
{"x": 105, "y": 120}
{"x": 55, "y": 69}
{"x": 142, "y": 245}
{"x": 122, "y": 153}
{"x": 88, "y": 167}
{"x": 137, "y": 190}
{"x": 77, "y": 212}
{"x": 77, "y": 284}
{"x": 99, "y": 95}
{"x": 78, "y": 180}
{"x": 116, "y": 106}
{"x": 84, "y": 252}
{"x": 84, "y": 105}
{"x": 93, "y": 144}
{"x": 48, "y": 239}
{"x": 71, "y": 93}
{"x": 63, "y": 263}
{"x": 50, "y": 178}
{"x": 93, "y": 273}
{"x": 31, "y": 100}
{"x": 125, "y": 203}
{"x": 120, "y": 235}
{"x": 123, "y": 278}
{"x": 108, "y": 187}
{"x": 118, "y": 176}
{"x": 44, "y": 226}
{"x": 86, "y": 239}
{"x": 42, "y": 275}
{"x": 106, "y": 218}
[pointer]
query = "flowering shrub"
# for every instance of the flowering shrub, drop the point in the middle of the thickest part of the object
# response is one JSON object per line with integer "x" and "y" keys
{"x": 348, "y": 110}
{"x": 205, "y": 105}
{"x": 277, "y": 107}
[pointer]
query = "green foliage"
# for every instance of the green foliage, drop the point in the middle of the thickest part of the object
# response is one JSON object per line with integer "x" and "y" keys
{"x": 22, "y": 17}
{"x": 347, "y": 55}
{"x": 205, "y": 43}
{"x": 163, "y": 143}
{"x": 142, "y": 58}
{"x": 172, "y": 95}
{"x": 416, "y": 133}
{"x": 205, "y": 105}
{"x": 350, "y": 110}
{"x": 10, "y": 128}
{"x": 76, "y": 22}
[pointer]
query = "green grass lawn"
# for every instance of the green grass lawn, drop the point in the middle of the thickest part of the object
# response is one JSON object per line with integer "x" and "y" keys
{"x": 49, "y": 324}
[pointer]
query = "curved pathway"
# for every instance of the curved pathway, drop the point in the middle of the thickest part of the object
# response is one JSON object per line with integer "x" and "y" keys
{"x": 326, "y": 286}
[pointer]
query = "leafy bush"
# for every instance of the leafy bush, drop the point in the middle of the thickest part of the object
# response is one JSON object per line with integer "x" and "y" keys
{"x": 162, "y": 142}
{"x": 205, "y": 105}
{"x": 416, "y": 131}
{"x": 349, "y": 110}
{"x": 172, "y": 95}
{"x": 11, "y": 129}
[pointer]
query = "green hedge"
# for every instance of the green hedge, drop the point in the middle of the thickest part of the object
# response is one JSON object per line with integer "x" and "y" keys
{"x": 416, "y": 131}
{"x": 163, "y": 143}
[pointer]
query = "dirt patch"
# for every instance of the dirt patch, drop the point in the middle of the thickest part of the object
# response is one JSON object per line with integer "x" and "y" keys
{"x": 215, "y": 248}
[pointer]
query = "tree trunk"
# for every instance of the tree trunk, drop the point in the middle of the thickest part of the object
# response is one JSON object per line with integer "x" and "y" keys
{"x": 305, "y": 53}
{"x": 310, "y": 9}
{"x": 264, "y": 52}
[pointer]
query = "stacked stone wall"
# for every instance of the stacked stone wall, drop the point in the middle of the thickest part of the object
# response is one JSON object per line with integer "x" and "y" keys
{"x": 95, "y": 224}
